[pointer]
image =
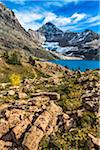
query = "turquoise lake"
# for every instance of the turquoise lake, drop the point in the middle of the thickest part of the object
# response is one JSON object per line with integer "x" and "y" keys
{"x": 76, "y": 64}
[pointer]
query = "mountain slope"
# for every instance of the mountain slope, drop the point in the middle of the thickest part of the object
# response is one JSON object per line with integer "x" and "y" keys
{"x": 14, "y": 37}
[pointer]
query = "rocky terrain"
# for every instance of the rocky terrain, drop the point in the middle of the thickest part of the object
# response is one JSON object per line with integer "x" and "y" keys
{"x": 14, "y": 37}
{"x": 84, "y": 44}
{"x": 49, "y": 107}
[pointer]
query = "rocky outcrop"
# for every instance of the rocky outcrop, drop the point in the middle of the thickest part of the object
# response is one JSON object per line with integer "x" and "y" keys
{"x": 37, "y": 132}
{"x": 90, "y": 98}
{"x": 52, "y": 95}
{"x": 24, "y": 124}
{"x": 8, "y": 16}
{"x": 9, "y": 20}
{"x": 29, "y": 114}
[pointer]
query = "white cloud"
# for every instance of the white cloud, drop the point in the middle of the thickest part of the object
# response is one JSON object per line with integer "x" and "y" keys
{"x": 48, "y": 3}
{"x": 94, "y": 24}
{"x": 59, "y": 3}
{"x": 28, "y": 18}
{"x": 90, "y": 21}
{"x": 18, "y": 1}
{"x": 63, "y": 21}
{"x": 78, "y": 17}
{"x": 94, "y": 19}
{"x": 57, "y": 20}
{"x": 49, "y": 17}
{"x": 73, "y": 28}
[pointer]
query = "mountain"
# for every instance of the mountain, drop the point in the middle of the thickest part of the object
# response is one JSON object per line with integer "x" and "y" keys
{"x": 84, "y": 45}
{"x": 14, "y": 37}
{"x": 51, "y": 32}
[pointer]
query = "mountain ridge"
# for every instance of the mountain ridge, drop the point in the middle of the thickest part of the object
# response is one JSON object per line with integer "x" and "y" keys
{"x": 50, "y": 27}
{"x": 86, "y": 42}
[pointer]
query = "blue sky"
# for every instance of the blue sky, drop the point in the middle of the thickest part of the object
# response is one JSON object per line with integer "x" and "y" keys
{"x": 73, "y": 15}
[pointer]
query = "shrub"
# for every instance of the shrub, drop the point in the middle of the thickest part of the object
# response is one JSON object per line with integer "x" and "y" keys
{"x": 15, "y": 79}
{"x": 71, "y": 100}
{"x": 53, "y": 143}
{"x": 87, "y": 119}
{"x": 69, "y": 103}
{"x": 14, "y": 58}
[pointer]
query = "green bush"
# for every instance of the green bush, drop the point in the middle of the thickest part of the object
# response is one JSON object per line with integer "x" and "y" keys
{"x": 87, "y": 119}
{"x": 71, "y": 99}
{"x": 53, "y": 143}
{"x": 13, "y": 57}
